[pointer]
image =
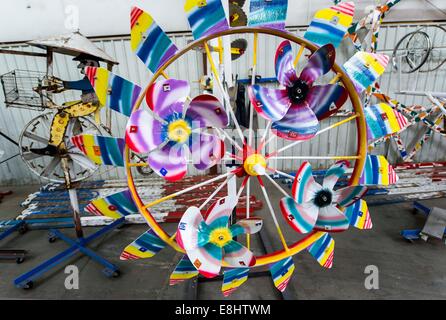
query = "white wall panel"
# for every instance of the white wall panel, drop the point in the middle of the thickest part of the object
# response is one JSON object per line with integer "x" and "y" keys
{"x": 23, "y": 20}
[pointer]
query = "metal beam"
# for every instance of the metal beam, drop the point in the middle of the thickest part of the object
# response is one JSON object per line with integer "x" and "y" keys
{"x": 22, "y": 53}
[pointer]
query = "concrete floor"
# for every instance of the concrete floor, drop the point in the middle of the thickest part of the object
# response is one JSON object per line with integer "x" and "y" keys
{"x": 406, "y": 271}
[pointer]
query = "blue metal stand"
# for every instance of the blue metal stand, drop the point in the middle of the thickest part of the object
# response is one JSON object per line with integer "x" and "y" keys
{"x": 26, "y": 280}
{"x": 415, "y": 234}
{"x": 12, "y": 226}
{"x": 417, "y": 206}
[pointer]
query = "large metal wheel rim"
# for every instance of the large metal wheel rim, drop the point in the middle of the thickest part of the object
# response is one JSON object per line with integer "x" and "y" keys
{"x": 423, "y": 61}
{"x": 21, "y": 149}
{"x": 361, "y": 140}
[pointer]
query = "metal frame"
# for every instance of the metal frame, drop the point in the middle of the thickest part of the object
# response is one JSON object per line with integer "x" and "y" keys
{"x": 26, "y": 280}
{"x": 360, "y": 124}
{"x": 8, "y": 254}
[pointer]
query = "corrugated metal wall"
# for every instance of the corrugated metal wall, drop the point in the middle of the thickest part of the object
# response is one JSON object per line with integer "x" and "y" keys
{"x": 391, "y": 82}
{"x": 339, "y": 141}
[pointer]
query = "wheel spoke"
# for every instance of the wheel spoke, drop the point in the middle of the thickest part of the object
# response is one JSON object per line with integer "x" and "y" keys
{"x": 29, "y": 156}
{"x": 234, "y": 156}
{"x": 299, "y": 54}
{"x": 269, "y": 140}
{"x": 335, "y": 79}
{"x": 273, "y": 215}
{"x": 248, "y": 195}
{"x": 242, "y": 187}
{"x": 277, "y": 186}
{"x": 253, "y": 81}
{"x": 176, "y": 194}
{"x": 289, "y": 176}
{"x": 223, "y": 91}
{"x": 262, "y": 141}
{"x": 233, "y": 142}
{"x": 35, "y": 137}
{"x": 83, "y": 161}
{"x": 50, "y": 167}
{"x": 216, "y": 191}
{"x": 165, "y": 76}
{"x": 248, "y": 208}
{"x": 337, "y": 124}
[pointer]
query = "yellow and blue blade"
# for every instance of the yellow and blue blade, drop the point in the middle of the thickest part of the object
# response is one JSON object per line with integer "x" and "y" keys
{"x": 114, "y": 206}
{"x": 146, "y": 246}
{"x": 206, "y": 17}
{"x": 330, "y": 25}
{"x": 378, "y": 171}
{"x": 365, "y": 68}
{"x": 323, "y": 250}
{"x": 268, "y": 13}
{"x": 113, "y": 91}
{"x": 281, "y": 273}
{"x": 359, "y": 215}
{"x": 185, "y": 270}
{"x": 101, "y": 150}
{"x": 233, "y": 279}
{"x": 149, "y": 42}
{"x": 383, "y": 120}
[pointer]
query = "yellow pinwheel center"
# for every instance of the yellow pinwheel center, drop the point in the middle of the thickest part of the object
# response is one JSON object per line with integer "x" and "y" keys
{"x": 179, "y": 131}
{"x": 220, "y": 237}
{"x": 255, "y": 165}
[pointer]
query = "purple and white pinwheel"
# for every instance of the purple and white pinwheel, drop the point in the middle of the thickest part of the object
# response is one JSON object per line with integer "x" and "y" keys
{"x": 317, "y": 207}
{"x": 297, "y": 108}
{"x": 171, "y": 125}
{"x": 208, "y": 243}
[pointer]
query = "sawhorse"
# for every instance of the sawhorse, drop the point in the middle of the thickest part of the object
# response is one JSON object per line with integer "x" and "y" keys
{"x": 26, "y": 280}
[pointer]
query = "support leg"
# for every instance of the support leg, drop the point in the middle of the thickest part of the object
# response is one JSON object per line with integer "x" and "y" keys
{"x": 25, "y": 281}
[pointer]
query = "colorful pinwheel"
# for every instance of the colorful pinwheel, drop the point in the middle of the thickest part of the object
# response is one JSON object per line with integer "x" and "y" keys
{"x": 164, "y": 132}
{"x": 296, "y": 109}
{"x": 209, "y": 243}
{"x": 317, "y": 207}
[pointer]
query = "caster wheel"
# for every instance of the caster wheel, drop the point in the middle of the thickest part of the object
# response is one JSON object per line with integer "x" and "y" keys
{"x": 19, "y": 260}
{"x": 29, "y": 285}
{"x": 23, "y": 229}
{"x": 116, "y": 274}
{"x": 52, "y": 239}
{"x": 111, "y": 273}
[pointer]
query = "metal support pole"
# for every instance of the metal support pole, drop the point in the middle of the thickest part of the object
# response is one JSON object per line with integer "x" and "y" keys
{"x": 49, "y": 62}
{"x": 73, "y": 199}
{"x": 108, "y": 113}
